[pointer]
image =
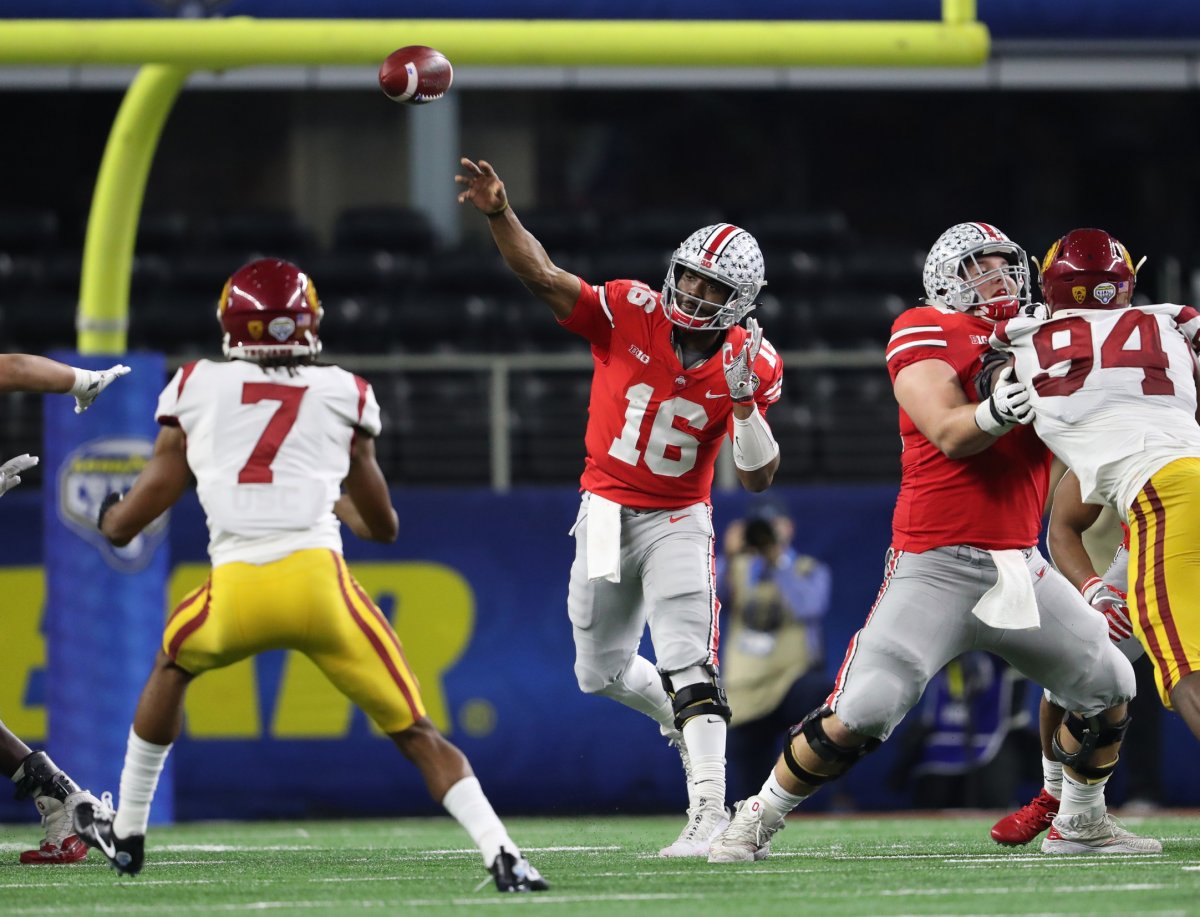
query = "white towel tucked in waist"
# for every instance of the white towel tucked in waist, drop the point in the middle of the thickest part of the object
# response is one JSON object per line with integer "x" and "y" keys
{"x": 603, "y": 539}
{"x": 1010, "y": 604}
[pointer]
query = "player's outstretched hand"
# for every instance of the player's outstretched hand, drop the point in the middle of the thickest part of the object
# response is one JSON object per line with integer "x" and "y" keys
{"x": 739, "y": 371}
{"x": 90, "y": 382}
{"x": 483, "y": 188}
{"x": 10, "y": 471}
{"x": 1008, "y": 405}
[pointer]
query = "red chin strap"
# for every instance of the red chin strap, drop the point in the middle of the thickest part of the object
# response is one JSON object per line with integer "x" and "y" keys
{"x": 999, "y": 311}
{"x": 679, "y": 317}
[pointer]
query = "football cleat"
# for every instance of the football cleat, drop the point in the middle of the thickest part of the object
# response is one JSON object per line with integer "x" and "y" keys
{"x": 1095, "y": 832}
{"x": 513, "y": 874}
{"x": 705, "y": 822}
{"x": 1027, "y": 822}
{"x": 60, "y": 843}
{"x": 747, "y": 838}
{"x": 94, "y": 824}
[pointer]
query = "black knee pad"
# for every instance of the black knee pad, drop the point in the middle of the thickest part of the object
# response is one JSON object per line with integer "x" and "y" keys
{"x": 823, "y": 747}
{"x": 1091, "y": 733}
{"x": 698, "y": 699}
{"x": 39, "y": 776}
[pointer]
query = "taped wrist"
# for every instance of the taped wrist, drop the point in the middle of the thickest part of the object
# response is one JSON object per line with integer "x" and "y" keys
{"x": 753, "y": 445}
{"x": 84, "y": 379}
{"x": 988, "y": 419}
{"x": 1091, "y": 586}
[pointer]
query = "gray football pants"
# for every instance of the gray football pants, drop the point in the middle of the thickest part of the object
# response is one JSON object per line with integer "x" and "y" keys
{"x": 922, "y": 620}
{"x": 667, "y": 581}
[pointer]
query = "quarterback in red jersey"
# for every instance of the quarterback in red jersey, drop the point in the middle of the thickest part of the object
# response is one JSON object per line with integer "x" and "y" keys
{"x": 964, "y": 571}
{"x": 674, "y": 375}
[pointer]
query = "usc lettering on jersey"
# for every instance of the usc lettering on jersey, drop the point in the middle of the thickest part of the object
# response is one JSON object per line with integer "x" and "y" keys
{"x": 991, "y": 500}
{"x": 1113, "y": 391}
{"x": 269, "y": 450}
{"x": 654, "y": 428}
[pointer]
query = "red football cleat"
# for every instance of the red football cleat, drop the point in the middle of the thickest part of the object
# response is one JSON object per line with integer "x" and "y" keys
{"x": 1027, "y": 822}
{"x": 71, "y": 850}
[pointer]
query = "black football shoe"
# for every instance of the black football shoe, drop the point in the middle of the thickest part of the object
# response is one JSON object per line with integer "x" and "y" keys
{"x": 516, "y": 875}
{"x": 94, "y": 825}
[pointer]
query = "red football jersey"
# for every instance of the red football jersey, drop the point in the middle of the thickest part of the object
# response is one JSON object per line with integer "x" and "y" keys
{"x": 991, "y": 500}
{"x": 654, "y": 428}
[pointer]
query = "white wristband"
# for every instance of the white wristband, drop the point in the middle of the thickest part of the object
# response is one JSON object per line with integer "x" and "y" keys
{"x": 753, "y": 444}
{"x": 986, "y": 420}
{"x": 83, "y": 380}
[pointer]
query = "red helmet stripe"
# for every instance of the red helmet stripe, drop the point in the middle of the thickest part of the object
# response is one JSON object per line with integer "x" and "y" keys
{"x": 721, "y": 237}
{"x": 990, "y": 231}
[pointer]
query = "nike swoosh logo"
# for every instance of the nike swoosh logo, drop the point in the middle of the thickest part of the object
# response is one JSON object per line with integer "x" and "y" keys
{"x": 107, "y": 847}
{"x": 675, "y": 519}
{"x": 717, "y": 395}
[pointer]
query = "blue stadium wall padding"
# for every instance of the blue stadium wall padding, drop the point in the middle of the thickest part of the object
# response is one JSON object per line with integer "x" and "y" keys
{"x": 104, "y": 607}
{"x": 476, "y": 586}
{"x": 1110, "y": 20}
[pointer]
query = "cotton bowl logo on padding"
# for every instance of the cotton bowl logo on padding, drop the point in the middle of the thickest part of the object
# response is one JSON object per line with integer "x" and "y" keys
{"x": 1104, "y": 292}
{"x": 91, "y": 473}
{"x": 281, "y": 328}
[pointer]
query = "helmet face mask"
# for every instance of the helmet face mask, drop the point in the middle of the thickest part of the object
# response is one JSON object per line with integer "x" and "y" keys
{"x": 956, "y": 276}
{"x": 1088, "y": 269}
{"x": 270, "y": 313}
{"x": 726, "y": 255}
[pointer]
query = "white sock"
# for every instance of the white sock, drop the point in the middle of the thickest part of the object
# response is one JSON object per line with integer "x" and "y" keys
{"x": 777, "y": 802}
{"x": 471, "y": 809}
{"x": 1052, "y": 777}
{"x": 139, "y": 779}
{"x": 1081, "y": 797}
{"x": 705, "y": 738}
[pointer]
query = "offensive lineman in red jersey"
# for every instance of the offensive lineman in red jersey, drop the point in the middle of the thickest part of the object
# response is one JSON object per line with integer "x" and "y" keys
{"x": 674, "y": 375}
{"x": 964, "y": 571}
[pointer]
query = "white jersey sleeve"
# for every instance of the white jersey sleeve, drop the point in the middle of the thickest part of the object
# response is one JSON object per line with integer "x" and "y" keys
{"x": 269, "y": 449}
{"x": 1113, "y": 391}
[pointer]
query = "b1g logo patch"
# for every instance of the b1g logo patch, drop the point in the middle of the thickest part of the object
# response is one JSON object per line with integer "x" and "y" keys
{"x": 91, "y": 473}
{"x": 1104, "y": 292}
{"x": 1080, "y": 293}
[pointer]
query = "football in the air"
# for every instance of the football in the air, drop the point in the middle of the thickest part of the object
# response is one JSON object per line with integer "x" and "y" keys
{"x": 415, "y": 75}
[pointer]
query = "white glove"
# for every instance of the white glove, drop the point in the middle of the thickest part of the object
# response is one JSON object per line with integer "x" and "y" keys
{"x": 10, "y": 471}
{"x": 1111, "y": 603}
{"x": 1008, "y": 405}
{"x": 739, "y": 370}
{"x": 89, "y": 383}
{"x": 1036, "y": 310}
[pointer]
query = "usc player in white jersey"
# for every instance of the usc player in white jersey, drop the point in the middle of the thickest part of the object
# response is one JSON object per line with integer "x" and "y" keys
{"x": 54, "y": 793}
{"x": 674, "y": 375}
{"x": 1113, "y": 391}
{"x": 272, "y": 437}
{"x": 964, "y": 571}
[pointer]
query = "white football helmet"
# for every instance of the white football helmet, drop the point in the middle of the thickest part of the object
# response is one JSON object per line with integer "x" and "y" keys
{"x": 953, "y": 276}
{"x": 724, "y": 253}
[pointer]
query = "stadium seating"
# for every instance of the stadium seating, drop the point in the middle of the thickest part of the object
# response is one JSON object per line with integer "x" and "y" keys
{"x": 389, "y": 287}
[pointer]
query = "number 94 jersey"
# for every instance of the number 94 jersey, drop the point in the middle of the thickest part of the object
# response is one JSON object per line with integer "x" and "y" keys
{"x": 269, "y": 449}
{"x": 654, "y": 428}
{"x": 1113, "y": 391}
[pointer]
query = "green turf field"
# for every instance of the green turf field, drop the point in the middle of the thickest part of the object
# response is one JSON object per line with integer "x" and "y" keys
{"x": 855, "y": 865}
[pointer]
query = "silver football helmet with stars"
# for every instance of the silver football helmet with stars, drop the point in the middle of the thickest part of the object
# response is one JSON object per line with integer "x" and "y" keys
{"x": 954, "y": 277}
{"x": 722, "y": 252}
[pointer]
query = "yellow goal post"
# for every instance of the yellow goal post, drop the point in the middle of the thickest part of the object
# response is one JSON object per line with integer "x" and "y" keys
{"x": 168, "y": 50}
